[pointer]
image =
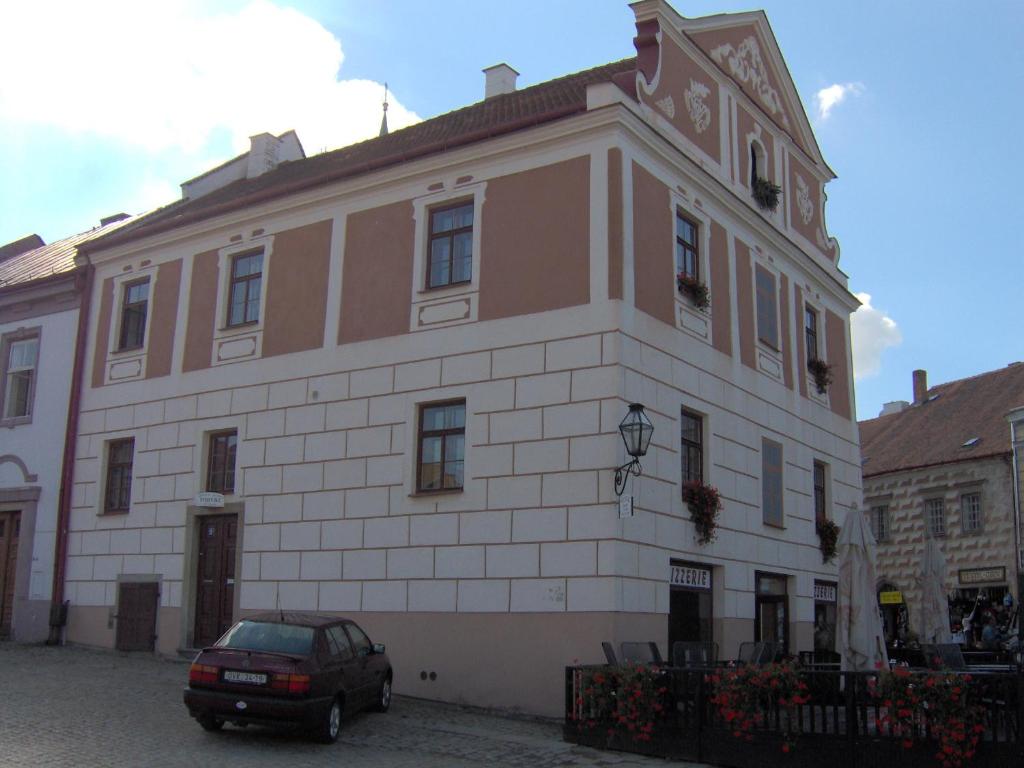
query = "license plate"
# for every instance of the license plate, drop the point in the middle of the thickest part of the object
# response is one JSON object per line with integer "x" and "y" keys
{"x": 255, "y": 678}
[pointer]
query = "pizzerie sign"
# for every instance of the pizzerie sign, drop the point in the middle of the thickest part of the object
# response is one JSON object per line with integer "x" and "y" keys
{"x": 695, "y": 578}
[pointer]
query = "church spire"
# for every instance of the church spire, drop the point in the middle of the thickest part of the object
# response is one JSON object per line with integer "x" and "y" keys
{"x": 384, "y": 120}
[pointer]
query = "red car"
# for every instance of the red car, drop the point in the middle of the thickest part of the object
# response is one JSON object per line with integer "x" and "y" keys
{"x": 289, "y": 669}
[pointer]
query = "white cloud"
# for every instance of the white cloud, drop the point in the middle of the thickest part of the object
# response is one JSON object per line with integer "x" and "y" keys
{"x": 828, "y": 98}
{"x": 872, "y": 332}
{"x": 173, "y": 76}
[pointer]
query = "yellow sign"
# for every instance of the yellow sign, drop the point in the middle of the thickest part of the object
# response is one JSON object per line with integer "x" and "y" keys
{"x": 890, "y": 598}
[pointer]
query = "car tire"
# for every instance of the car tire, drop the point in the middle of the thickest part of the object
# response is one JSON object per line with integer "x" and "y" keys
{"x": 383, "y": 702}
{"x": 210, "y": 723}
{"x": 330, "y": 725}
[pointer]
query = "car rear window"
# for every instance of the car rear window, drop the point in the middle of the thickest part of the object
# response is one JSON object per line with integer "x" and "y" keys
{"x": 264, "y": 636}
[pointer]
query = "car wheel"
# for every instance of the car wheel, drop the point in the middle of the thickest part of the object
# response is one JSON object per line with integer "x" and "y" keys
{"x": 383, "y": 702}
{"x": 330, "y": 726}
{"x": 210, "y": 723}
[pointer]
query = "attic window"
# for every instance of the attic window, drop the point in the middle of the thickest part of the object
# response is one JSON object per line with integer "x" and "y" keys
{"x": 972, "y": 442}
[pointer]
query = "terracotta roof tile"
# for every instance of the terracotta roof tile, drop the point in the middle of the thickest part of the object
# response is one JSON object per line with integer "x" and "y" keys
{"x": 495, "y": 116}
{"x": 936, "y": 431}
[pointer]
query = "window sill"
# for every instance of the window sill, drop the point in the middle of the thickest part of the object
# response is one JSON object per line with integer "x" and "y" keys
{"x": 16, "y": 421}
{"x": 438, "y": 492}
{"x": 239, "y": 328}
{"x": 777, "y": 526}
{"x": 113, "y": 512}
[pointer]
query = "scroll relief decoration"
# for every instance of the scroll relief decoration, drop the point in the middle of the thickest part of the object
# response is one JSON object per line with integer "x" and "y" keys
{"x": 700, "y": 113}
{"x": 803, "y": 200}
{"x": 746, "y": 65}
{"x": 668, "y": 106}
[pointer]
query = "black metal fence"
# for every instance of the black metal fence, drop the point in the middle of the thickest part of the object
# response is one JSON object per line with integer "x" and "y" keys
{"x": 839, "y": 722}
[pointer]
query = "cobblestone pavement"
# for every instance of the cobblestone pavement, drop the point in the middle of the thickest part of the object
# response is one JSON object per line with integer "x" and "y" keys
{"x": 79, "y": 707}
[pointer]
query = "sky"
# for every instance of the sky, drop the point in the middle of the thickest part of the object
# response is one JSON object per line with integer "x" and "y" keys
{"x": 107, "y": 106}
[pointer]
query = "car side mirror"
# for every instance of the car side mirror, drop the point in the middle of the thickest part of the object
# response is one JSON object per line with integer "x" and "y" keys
{"x": 378, "y": 647}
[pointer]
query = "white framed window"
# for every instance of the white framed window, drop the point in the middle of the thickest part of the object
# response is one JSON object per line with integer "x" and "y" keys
{"x": 691, "y": 257}
{"x": 447, "y": 256}
{"x": 935, "y": 517}
{"x": 767, "y": 307}
{"x": 119, "y": 462}
{"x": 970, "y": 513}
{"x": 134, "y": 313}
{"x": 241, "y": 299}
{"x": 20, "y": 351}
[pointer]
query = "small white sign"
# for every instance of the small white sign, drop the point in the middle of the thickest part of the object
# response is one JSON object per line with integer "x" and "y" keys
{"x": 208, "y": 499}
{"x": 825, "y": 593}
{"x": 625, "y": 506}
{"x": 695, "y": 578}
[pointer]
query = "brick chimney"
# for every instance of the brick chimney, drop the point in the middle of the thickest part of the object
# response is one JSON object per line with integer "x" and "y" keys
{"x": 500, "y": 78}
{"x": 920, "y": 386}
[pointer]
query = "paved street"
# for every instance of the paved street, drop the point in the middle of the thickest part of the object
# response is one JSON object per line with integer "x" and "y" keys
{"x": 78, "y": 707}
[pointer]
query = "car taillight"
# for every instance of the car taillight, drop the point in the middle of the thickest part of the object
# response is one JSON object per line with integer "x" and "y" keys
{"x": 202, "y": 673}
{"x": 290, "y": 683}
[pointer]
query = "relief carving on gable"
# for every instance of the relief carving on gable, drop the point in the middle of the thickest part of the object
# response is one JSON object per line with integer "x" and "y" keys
{"x": 747, "y": 66}
{"x": 803, "y": 200}
{"x": 694, "y": 97}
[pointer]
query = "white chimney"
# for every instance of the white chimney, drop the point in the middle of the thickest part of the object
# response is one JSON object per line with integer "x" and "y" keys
{"x": 896, "y": 406}
{"x": 263, "y": 152}
{"x": 500, "y": 78}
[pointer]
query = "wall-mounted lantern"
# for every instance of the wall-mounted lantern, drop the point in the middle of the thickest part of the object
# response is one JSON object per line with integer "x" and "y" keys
{"x": 636, "y": 430}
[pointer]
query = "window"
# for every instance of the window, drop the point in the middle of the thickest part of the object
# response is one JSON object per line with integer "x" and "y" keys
{"x": 819, "y": 493}
{"x": 450, "y": 251}
{"x": 134, "y": 307}
{"x": 692, "y": 447}
{"x": 880, "y": 522}
{"x": 360, "y": 642}
{"x": 935, "y": 517}
{"x": 687, "y": 249}
{"x": 244, "y": 293}
{"x": 338, "y": 643}
{"x": 771, "y": 482}
{"x": 220, "y": 468}
{"x": 439, "y": 465}
{"x": 767, "y": 315}
{"x": 771, "y": 606}
{"x": 119, "y": 475}
{"x": 755, "y": 170}
{"x": 811, "y": 333}
{"x": 970, "y": 512}
{"x": 20, "y": 359}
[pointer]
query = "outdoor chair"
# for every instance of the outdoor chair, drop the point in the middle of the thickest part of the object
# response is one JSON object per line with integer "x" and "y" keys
{"x": 757, "y": 653}
{"x": 944, "y": 656}
{"x": 641, "y": 653}
{"x": 694, "y": 654}
{"x": 609, "y": 653}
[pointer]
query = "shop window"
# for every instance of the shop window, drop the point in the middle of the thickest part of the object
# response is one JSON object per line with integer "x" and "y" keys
{"x": 690, "y": 605}
{"x": 825, "y": 594}
{"x": 771, "y": 622}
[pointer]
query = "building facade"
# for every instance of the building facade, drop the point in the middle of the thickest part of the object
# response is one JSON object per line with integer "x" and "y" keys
{"x": 386, "y": 381}
{"x": 941, "y": 467}
{"x": 40, "y": 298}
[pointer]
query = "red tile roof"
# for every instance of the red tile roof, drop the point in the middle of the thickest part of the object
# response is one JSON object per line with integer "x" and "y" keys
{"x": 498, "y": 115}
{"x": 936, "y": 431}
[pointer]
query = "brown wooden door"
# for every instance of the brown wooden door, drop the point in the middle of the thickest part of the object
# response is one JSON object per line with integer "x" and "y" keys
{"x": 10, "y": 525}
{"x": 136, "y": 615}
{"x": 215, "y": 580}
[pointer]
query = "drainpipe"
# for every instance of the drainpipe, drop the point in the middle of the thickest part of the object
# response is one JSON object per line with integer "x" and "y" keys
{"x": 1016, "y": 419}
{"x": 58, "y": 616}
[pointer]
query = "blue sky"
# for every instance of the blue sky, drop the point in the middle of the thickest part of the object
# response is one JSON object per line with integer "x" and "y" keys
{"x": 125, "y": 100}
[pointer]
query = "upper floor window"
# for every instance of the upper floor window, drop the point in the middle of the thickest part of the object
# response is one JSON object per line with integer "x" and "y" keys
{"x": 20, "y": 360}
{"x": 970, "y": 512}
{"x": 687, "y": 249}
{"x": 880, "y": 522}
{"x": 811, "y": 333}
{"x": 450, "y": 250}
{"x": 120, "y": 454}
{"x": 935, "y": 517}
{"x": 819, "y": 492}
{"x": 441, "y": 447}
{"x": 244, "y": 292}
{"x": 771, "y": 482}
{"x": 691, "y": 447}
{"x": 220, "y": 469}
{"x": 134, "y": 307}
{"x": 767, "y": 312}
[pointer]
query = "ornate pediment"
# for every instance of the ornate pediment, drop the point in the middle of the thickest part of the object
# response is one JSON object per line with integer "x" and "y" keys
{"x": 746, "y": 66}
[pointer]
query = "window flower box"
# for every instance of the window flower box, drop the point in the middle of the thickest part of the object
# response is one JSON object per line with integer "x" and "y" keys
{"x": 695, "y": 289}
{"x": 821, "y": 372}
{"x": 705, "y": 503}
{"x": 828, "y": 535}
{"x": 765, "y": 193}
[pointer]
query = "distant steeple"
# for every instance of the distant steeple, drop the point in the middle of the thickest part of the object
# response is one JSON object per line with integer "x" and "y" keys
{"x": 384, "y": 120}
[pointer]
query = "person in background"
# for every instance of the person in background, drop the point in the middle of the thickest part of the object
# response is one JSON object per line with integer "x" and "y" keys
{"x": 990, "y": 635}
{"x": 958, "y": 634}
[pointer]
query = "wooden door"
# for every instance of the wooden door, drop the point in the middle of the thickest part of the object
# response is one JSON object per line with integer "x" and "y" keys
{"x": 136, "y": 615}
{"x": 10, "y": 527}
{"x": 215, "y": 578}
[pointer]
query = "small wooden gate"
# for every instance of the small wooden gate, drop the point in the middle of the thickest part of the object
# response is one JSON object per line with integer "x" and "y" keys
{"x": 136, "y": 615}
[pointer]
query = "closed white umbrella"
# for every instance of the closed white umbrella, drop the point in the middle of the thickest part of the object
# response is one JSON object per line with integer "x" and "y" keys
{"x": 934, "y": 605}
{"x": 860, "y": 641}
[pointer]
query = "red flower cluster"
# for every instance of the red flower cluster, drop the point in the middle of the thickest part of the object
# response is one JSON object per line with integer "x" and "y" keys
{"x": 630, "y": 699}
{"x": 913, "y": 704}
{"x": 704, "y": 503}
{"x": 745, "y": 695}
